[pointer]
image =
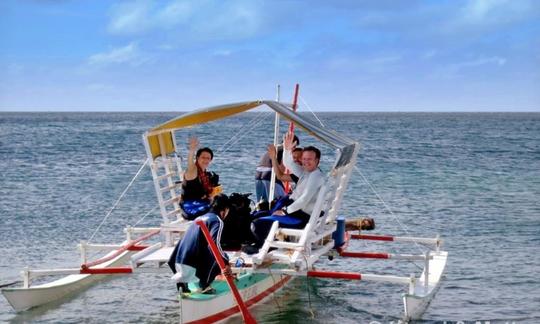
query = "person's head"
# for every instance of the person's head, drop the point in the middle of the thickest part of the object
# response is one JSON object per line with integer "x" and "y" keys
{"x": 310, "y": 158}
{"x": 297, "y": 155}
{"x": 220, "y": 205}
{"x": 203, "y": 157}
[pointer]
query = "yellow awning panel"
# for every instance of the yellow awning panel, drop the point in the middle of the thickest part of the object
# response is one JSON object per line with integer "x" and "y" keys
{"x": 207, "y": 115}
{"x": 163, "y": 134}
{"x": 194, "y": 118}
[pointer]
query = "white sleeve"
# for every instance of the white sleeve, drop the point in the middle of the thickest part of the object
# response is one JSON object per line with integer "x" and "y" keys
{"x": 314, "y": 183}
{"x": 289, "y": 163}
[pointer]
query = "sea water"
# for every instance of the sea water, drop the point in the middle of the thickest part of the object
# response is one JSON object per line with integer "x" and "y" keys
{"x": 473, "y": 178}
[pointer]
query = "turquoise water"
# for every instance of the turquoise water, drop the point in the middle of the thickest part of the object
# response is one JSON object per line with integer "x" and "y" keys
{"x": 474, "y": 178}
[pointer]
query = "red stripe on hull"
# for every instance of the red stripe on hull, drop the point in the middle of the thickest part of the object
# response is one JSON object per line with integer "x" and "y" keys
{"x": 234, "y": 310}
{"x": 372, "y": 237}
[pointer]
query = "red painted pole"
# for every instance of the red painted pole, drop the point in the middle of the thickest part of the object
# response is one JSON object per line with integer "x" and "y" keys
{"x": 334, "y": 274}
{"x": 366, "y": 255}
{"x": 116, "y": 270}
{"x": 291, "y": 126}
{"x": 372, "y": 237}
{"x": 248, "y": 319}
{"x": 294, "y": 105}
{"x": 124, "y": 248}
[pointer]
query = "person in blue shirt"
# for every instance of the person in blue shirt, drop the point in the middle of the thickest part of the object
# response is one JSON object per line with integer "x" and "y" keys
{"x": 192, "y": 260}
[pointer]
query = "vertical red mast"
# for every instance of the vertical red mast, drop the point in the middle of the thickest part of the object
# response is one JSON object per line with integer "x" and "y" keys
{"x": 291, "y": 125}
{"x": 294, "y": 104}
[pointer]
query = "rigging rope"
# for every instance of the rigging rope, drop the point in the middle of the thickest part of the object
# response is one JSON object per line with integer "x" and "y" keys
{"x": 274, "y": 297}
{"x": 148, "y": 213}
{"x": 118, "y": 200}
{"x": 240, "y": 133}
{"x": 386, "y": 206}
{"x": 312, "y": 112}
{"x": 307, "y": 287}
{"x": 238, "y": 137}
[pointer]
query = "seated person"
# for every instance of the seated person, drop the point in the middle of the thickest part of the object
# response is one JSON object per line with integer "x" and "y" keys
{"x": 297, "y": 209}
{"x": 198, "y": 185}
{"x": 263, "y": 176}
{"x": 192, "y": 260}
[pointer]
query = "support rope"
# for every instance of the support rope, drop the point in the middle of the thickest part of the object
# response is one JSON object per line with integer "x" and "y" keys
{"x": 118, "y": 200}
{"x": 307, "y": 286}
{"x": 238, "y": 137}
{"x": 240, "y": 133}
{"x": 312, "y": 112}
{"x": 148, "y": 213}
{"x": 403, "y": 227}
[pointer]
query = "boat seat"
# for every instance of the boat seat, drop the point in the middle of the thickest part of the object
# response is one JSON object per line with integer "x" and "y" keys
{"x": 300, "y": 248}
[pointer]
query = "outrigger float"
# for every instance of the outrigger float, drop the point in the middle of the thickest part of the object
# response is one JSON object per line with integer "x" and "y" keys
{"x": 286, "y": 253}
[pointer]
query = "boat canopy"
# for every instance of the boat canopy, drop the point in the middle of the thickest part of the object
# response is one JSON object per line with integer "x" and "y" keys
{"x": 160, "y": 138}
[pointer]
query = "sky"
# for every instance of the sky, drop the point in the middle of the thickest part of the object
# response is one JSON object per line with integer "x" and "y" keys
{"x": 348, "y": 55}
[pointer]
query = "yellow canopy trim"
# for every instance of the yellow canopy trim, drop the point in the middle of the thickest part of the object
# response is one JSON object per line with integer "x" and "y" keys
{"x": 207, "y": 115}
{"x": 190, "y": 119}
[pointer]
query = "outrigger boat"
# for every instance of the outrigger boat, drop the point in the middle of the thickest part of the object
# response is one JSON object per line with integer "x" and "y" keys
{"x": 286, "y": 253}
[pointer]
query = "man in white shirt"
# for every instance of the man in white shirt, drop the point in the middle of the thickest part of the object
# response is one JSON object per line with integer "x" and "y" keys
{"x": 298, "y": 208}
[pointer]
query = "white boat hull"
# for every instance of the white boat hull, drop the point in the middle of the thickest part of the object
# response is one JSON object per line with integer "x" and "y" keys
{"x": 416, "y": 304}
{"x": 25, "y": 298}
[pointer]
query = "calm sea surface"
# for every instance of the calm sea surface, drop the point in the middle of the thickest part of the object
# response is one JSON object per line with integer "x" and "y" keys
{"x": 474, "y": 178}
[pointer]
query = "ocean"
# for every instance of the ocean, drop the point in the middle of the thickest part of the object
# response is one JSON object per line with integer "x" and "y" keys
{"x": 472, "y": 178}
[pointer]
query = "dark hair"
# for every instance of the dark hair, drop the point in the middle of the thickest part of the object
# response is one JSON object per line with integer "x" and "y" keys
{"x": 296, "y": 139}
{"x": 296, "y": 149}
{"x": 220, "y": 203}
{"x": 313, "y": 149}
{"x": 205, "y": 149}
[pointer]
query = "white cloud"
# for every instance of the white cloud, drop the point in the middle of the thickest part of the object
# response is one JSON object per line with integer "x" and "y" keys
{"x": 99, "y": 87}
{"x": 129, "y": 18}
{"x": 202, "y": 19}
{"x": 494, "y": 12}
{"x": 482, "y": 61}
{"x": 129, "y": 54}
{"x": 457, "y": 69}
{"x": 429, "y": 54}
{"x": 222, "y": 53}
{"x": 174, "y": 13}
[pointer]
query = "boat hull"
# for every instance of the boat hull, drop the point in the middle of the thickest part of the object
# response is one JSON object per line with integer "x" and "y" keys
{"x": 25, "y": 298}
{"x": 254, "y": 289}
{"x": 417, "y": 303}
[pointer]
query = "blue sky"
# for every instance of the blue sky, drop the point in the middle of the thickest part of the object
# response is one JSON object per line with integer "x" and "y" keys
{"x": 380, "y": 55}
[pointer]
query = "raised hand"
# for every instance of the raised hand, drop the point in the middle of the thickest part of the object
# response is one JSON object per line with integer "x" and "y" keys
{"x": 193, "y": 143}
{"x": 288, "y": 141}
{"x": 272, "y": 151}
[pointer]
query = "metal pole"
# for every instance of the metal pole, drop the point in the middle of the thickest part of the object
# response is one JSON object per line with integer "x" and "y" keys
{"x": 276, "y": 140}
{"x": 426, "y": 273}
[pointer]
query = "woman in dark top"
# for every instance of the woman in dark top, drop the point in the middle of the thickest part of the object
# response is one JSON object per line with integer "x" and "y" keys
{"x": 198, "y": 185}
